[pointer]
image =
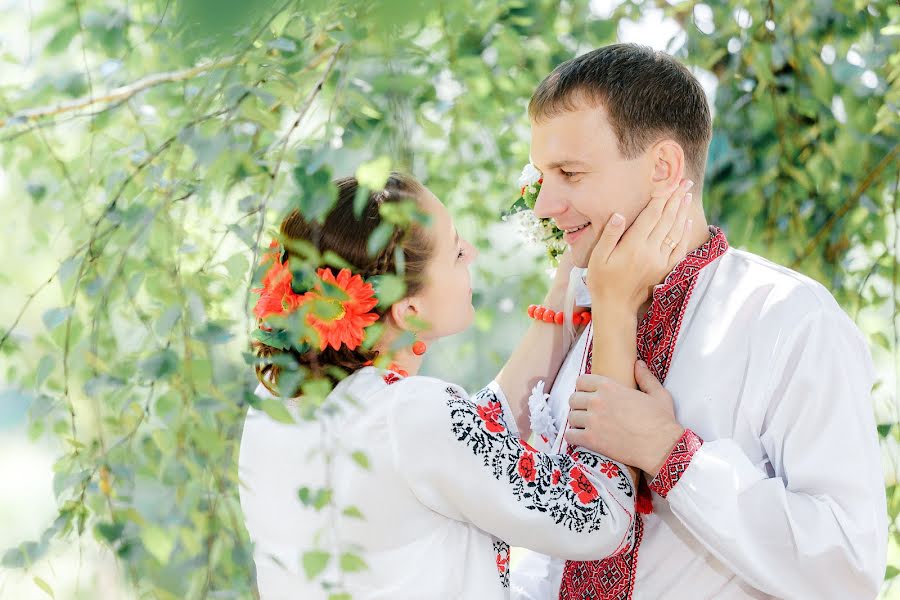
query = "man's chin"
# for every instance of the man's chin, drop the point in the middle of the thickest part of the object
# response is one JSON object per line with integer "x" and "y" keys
{"x": 581, "y": 253}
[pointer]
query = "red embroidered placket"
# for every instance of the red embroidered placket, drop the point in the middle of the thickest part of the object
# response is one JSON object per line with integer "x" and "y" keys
{"x": 613, "y": 577}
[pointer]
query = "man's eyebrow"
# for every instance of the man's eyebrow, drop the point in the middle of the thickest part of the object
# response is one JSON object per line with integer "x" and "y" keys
{"x": 567, "y": 162}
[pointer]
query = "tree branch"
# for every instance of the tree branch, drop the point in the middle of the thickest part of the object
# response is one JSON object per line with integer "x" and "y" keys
{"x": 118, "y": 94}
{"x": 846, "y": 206}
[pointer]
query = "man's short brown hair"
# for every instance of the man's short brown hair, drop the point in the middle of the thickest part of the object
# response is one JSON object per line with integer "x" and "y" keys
{"x": 648, "y": 95}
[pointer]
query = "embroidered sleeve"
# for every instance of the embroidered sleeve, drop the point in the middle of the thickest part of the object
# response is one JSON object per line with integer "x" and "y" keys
{"x": 492, "y": 394}
{"x": 676, "y": 463}
{"x": 461, "y": 460}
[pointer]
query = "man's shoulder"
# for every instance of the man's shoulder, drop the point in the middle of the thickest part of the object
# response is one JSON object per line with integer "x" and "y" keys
{"x": 776, "y": 288}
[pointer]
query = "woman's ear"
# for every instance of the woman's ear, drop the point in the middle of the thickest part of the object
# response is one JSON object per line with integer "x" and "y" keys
{"x": 402, "y": 311}
{"x": 668, "y": 164}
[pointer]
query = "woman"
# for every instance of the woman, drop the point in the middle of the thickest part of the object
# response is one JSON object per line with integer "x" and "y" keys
{"x": 403, "y": 486}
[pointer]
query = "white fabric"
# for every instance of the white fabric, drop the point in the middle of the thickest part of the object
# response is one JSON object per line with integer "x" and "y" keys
{"x": 434, "y": 510}
{"x": 785, "y": 499}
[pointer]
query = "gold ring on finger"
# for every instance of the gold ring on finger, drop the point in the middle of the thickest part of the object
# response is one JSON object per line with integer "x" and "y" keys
{"x": 668, "y": 241}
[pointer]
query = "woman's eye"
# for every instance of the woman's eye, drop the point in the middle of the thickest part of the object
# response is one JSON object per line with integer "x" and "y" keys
{"x": 569, "y": 174}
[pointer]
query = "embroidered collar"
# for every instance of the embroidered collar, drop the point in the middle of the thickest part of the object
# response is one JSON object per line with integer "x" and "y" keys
{"x": 694, "y": 262}
{"x": 658, "y": 330}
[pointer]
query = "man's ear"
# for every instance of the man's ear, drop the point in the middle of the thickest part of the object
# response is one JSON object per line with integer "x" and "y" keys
{"x": 402, "y": 310}
{"x": 668, "y": 164}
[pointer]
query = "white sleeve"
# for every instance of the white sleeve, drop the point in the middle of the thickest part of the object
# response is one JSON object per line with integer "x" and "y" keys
{"x": 460, "y": 459}
{"x": 818, "y": 527}
{"x": 531, "y": 577}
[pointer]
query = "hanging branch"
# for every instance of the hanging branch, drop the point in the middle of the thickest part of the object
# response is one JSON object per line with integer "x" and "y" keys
{"x": 301, "y": 113}
{"x": 118, "y": 94}
{"x": 849, "y": 203}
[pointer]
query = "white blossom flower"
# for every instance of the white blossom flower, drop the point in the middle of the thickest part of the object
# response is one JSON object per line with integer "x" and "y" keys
{"x": 539, "y": 410}
{"x": 530, "y": 175}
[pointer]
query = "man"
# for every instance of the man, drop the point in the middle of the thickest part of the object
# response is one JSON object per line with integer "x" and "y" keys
{"x": 766, "y": 478}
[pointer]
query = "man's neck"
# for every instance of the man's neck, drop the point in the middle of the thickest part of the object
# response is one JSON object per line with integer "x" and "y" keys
{"x": 699, "y": 236}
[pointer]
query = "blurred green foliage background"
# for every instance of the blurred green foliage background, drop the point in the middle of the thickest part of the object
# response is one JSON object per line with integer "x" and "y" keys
{"x": 149, "y": 148}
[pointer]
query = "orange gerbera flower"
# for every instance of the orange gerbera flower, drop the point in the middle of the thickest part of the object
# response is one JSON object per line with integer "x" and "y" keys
{"x": 352, "y": 312}
{"x": 275, "y": 296}
{"x": 339, "y": 316}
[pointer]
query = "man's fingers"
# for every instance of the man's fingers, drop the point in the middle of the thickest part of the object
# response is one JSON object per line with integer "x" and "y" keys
{"x": 589, "y": 383}
{"x": 578, "y": 419}
{"x": 581, "y": 400}
{"x": 577, "y": 437}
{"x": 646, "y": 380}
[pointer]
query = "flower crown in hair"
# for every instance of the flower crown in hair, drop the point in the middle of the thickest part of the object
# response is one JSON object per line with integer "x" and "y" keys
{"x": 535, "y": 229}
{"x": 338, "y": 308}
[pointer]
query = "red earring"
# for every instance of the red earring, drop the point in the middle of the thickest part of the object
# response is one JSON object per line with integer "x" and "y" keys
{"x": 419, "y": 348}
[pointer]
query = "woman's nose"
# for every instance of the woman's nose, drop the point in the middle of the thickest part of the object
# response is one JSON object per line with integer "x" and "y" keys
{"x": 473, "y": 252}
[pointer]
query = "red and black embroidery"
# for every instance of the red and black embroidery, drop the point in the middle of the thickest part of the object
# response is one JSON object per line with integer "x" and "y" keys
{"x": 501, "y": 549}
{"x": 391, "y": 378}
{"x": 555, "y": 484}
{"x": 676, "y": 463}
{"x": 613, "y": 577}
{"x": 658, "y": 330}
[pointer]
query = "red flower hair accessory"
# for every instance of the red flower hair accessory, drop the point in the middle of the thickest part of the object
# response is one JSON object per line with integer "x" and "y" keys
{"x": 339, "y": 307}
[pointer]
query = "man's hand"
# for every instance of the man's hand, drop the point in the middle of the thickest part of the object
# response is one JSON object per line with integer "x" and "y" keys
{"x": 633, "y": 427}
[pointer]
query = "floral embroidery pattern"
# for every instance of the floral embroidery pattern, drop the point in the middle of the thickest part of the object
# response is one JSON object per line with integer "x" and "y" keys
{"x": 610, "y": 469}
{"x": 502, "y": 550}
{"x": 391, "y": 378}
{"x": 554, "y": 484}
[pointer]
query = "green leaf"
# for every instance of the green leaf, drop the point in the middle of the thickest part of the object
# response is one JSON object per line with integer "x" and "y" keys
{"x": 884, "y": 429}
{"x": 321, "y": 499}
{"x": 276, "y": 409}
{"x": 213, "y": 333}
{"x": 351, "y": 563}
{"x": 882, "y": 340}
{"x": 353, "y": 513}
{"x": 109, "y": 531}
{"x": 158, "y": 542}
{"x": 55, "y": 317}
{"x": 44, "y": 369}
{"x": 44, "y": 586}
{"x": 379, "y": 238}
{"x": 277, "y": 338}
{"x": 167, "y": 320}
{"x": 388, "y": 289}
{"x": 159, "y": 364}
{"x": 314, "y": 562}
{"x": 360, "y": 458}
{"x": 374, "y": 174}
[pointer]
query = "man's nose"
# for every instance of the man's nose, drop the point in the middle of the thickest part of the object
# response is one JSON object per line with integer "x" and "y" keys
{"x": 549, "y": 203}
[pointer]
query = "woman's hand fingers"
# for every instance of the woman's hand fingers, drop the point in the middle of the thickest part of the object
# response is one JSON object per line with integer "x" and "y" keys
{"x": 681, "y": 250}
{"x": 608, "y": 239}
{"x": 645, "y": 222}
{"x": 674, "y": 209}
